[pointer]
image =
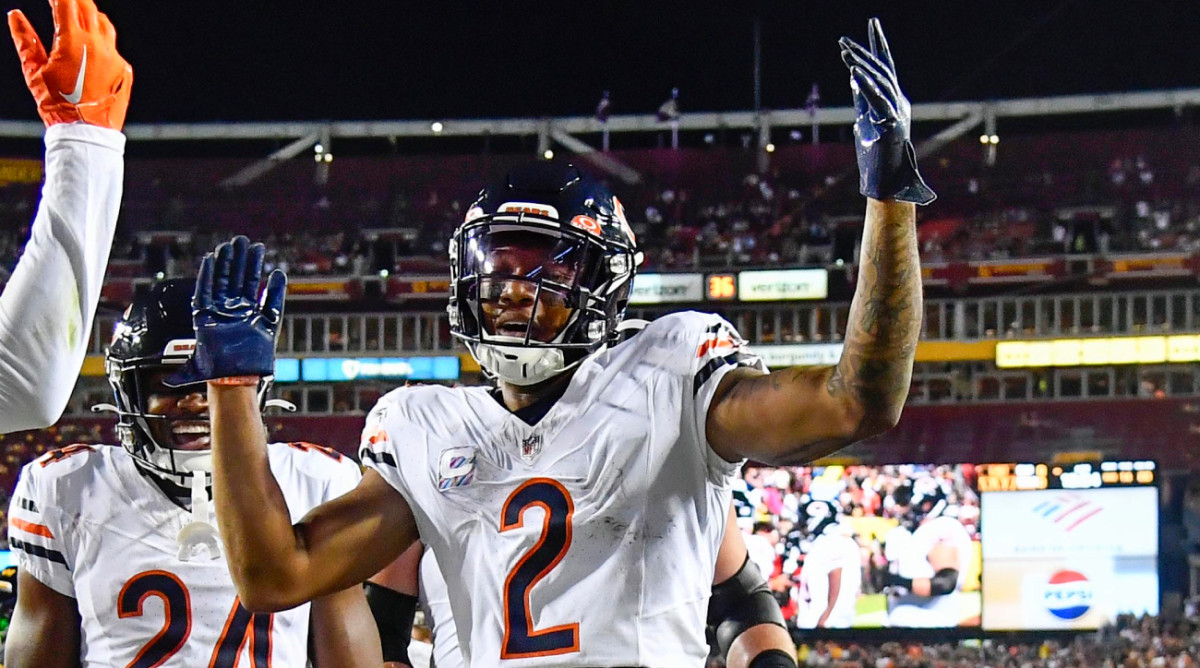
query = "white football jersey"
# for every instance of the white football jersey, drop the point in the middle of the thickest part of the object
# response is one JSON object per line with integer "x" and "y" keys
{"x": 435, "y": 600}
{"x": 912, "y": 561}
{"x": 832, "y": 550}
{"x": 589, "y": 538}
{"x": 87, "y": 524}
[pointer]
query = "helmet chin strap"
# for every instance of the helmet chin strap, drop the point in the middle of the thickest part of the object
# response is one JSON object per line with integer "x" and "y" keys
{"x": 517, "y": 365}
{"x": 186, "y": 461}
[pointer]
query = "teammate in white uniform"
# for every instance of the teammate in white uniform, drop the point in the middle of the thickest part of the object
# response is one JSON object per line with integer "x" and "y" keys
{"x": 929, "y": 556}
{"x": 578, "y": 510}
{"x": 47, "y": 307}
{"x": 120, "y": 563}
{"x": 831, "y": 578}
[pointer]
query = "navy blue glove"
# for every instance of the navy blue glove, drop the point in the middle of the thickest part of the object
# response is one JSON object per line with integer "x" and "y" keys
{"x": 887, "y": 162}
{"x": 235, "y": 330}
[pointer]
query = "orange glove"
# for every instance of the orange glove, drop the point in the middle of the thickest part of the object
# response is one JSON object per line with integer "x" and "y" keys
{"x": 84, "y": 78}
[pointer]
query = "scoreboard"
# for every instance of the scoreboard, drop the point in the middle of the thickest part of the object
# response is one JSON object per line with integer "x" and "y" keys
{"x": 1068, "y": 546}
{"x": 1028, "y": 477}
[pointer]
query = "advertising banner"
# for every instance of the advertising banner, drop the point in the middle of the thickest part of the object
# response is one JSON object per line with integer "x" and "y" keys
{"x": 1069, "y": 558}
{"x": 667, "y": 289}
{"x": 782, "y": 285}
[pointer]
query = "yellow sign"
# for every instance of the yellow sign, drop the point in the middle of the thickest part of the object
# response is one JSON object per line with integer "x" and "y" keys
{"x": 16, "y": 170}
{"x": 1178, "y": 348}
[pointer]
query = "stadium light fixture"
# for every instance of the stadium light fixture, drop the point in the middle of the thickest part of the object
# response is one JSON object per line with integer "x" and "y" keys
{"x": 437, "y": 127}
{"x": 994, "y": 139}
{"x": 549, "y": 154}
{"x": 770, "y": 148}
{"x": 983, "y": 139}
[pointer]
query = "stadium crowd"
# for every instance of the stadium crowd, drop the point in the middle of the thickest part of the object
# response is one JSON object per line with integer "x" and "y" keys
{"x": 1124, "y": 202}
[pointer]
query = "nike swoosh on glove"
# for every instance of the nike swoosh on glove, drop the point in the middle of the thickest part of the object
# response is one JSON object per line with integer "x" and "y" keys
{"x": 83, "y": 78}
{"x": 887, "y": 161}
{"x": 235, "y": 328}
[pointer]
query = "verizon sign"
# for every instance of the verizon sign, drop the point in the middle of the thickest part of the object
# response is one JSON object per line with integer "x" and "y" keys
{"x": 782, "y": 285}
{"x": 667, "y": 288}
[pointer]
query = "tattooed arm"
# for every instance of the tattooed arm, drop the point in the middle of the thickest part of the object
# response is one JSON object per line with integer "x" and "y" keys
{"x": 799, "y": 414}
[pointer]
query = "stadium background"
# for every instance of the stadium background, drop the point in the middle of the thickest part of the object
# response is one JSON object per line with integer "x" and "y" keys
{"x": 1061, "y": 260}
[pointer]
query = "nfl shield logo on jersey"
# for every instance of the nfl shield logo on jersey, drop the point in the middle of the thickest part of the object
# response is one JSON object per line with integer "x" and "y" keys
{"x": 530, "y": 448}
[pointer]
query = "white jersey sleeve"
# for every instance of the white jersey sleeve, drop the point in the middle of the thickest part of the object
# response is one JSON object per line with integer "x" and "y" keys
{"x": 39, "y": 531}
{"x": 46, "y": 310}
{"x": 310, "y": 475}
{"x": 378, "y": 450}
{"x": 711, "y": 348}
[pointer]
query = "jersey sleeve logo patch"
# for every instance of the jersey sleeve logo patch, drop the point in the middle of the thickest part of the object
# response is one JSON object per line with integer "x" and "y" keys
{"x": 456, "y": 468}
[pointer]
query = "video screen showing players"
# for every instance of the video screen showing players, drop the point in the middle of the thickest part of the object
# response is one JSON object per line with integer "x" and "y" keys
{"x": 1068, "y": 547}
{"x": 866, "y": 546}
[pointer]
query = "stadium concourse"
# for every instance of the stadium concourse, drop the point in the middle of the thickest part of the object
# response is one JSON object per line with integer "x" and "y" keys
{"x": 1046, "y": 263}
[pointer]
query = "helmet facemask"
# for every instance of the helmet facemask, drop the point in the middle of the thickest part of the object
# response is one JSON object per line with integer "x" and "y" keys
{"x": 165, "y": 430}
{"x": 531, "y": 298}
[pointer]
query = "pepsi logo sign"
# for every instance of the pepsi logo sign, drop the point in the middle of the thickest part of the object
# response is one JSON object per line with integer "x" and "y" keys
{"x": 1068, "y": 595}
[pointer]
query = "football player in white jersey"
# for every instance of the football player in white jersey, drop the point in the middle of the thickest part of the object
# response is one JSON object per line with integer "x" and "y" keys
{"x": 928, "y": 555}
{"x": 120, "y": 564}
{"x": 82, "y": 91}
{"x": 831, "y": 578}
{"x": 578, "y": 508}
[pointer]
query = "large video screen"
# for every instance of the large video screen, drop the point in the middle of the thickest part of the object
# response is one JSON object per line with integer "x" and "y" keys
{"x": 1068, "y": 547}
{"x": 866, "y": 546}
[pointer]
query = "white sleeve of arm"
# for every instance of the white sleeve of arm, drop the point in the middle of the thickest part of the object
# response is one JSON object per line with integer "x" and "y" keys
{"x": 46, "y": 310}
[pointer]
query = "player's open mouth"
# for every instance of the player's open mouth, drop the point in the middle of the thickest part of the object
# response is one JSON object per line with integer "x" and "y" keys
{"x": 191, "y": 435}
{"x": 513, "y": 328}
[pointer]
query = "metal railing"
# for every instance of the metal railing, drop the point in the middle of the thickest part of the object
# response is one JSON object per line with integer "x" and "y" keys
{"x": 965, "y": 319}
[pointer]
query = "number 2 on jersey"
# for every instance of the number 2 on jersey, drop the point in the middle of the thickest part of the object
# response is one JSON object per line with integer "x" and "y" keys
{"x": 521, "y": 640}
{"x": 177, "y": 624}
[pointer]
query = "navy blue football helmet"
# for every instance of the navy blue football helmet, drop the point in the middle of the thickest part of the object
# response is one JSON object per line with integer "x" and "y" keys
{"x": 154, "y": 335}
{"x": 584, "y": 257}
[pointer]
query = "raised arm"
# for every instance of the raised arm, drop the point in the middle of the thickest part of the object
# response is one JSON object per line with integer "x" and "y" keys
{"x": 799, "y": 414}
{"x": 275, "y": 564}
{"x": 46, "y": 310}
